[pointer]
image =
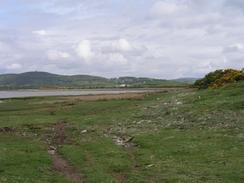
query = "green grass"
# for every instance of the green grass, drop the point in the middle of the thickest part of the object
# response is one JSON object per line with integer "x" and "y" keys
{"x": 178, "y": 136}
{"x": 191, "y": 156}
{"x": 98, "y": 159}
{"x": 25, "y": 160}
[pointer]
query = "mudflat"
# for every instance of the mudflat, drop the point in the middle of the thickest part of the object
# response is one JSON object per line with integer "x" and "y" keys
{"x": 39, "y": 93}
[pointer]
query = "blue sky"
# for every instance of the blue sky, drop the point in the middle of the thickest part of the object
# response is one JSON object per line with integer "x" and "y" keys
{"x": 150, "y": 38}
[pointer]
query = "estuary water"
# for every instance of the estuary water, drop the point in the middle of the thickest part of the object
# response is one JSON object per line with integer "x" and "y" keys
{"x": 42, "y": 93}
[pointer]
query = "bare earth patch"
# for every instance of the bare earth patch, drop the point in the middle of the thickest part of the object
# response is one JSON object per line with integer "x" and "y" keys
{"x": 60, "y": 164}
{"x": 108, "y": 96}
{"x": 63, "y": 167}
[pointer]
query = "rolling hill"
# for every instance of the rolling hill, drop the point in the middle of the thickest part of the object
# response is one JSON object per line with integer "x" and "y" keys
{"x": 37, "y": 80}
{"x": 186, "y": 80}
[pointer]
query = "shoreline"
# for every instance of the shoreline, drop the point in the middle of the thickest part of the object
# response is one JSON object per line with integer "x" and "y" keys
{"x": 66, "y": 93}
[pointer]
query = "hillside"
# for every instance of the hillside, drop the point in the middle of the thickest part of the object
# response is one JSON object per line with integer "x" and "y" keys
{"x": 36, "y": 80}
{"x": 146, "y": 82}
{"x": 186, "y": 80}
{"x": 44, "y": 79}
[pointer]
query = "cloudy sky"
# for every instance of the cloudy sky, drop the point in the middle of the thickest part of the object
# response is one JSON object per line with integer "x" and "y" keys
{"x": 151, "y": 38}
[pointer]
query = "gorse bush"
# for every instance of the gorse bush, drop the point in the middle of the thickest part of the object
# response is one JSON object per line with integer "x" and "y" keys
{"x": 219, "y": 78}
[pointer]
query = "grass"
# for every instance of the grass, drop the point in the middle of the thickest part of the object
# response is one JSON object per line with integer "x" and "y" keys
{"x": 177, "y": 136}
{"x": 25, "y": 160}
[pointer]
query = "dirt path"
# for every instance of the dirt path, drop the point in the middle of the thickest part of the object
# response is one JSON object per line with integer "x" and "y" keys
{"x": 60, "y": 164}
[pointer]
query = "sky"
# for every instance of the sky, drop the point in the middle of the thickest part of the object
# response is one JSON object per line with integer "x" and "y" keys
{"x": 148, "y": 38}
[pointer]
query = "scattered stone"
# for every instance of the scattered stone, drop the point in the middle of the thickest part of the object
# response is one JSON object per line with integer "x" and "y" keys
{"x": 149, "y": 121}
{"x": 84, "y": 131}
{"x": 179, "y": 103}
{"x": 129, "y": 139}
{"x": 48, "y": 141}
{"x": 7, "y": 129}
{"x": 149, "y": 166}
{"x": 123, "y": 141}
{"x": 139, "y": 122}
{"x": 51, "y": 152}
{"x": 119, "y": 141}
{"x": 52, "y": 148}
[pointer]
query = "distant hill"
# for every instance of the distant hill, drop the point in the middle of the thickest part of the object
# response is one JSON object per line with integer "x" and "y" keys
{"x": 46, "y": 80}
{"x": 145, "y": 82}
{"x": 37, "y": 80}
{"x": 186, "y": 80}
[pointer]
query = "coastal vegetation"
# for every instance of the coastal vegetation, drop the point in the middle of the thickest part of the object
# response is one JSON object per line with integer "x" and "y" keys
{"x": 220, "y": 78}
{"x": 175, "y": 135}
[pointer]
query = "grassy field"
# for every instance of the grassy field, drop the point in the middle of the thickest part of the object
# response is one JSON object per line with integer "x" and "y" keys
{"x": 179, "y": 135}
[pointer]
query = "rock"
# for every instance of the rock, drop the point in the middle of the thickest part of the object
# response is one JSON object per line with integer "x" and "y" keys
{"x": 179, "y": 103}
{"x": 122, "y": 141}
{"x": 52, "y": 148}
{"x": 128, "y": 139}
{"x": 24, "y": 134}
{"x": 51, "y": 152}
{"x": 139, "y": 122}
{"x": 119, "y": 141}
{"x": 149, "y": 166}
{"x": 84, "y": 131}
{"x": 7, "y": 129}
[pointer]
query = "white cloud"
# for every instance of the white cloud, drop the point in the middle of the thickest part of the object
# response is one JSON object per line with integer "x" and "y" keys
{"x": 40, "y": 32}
{"x": 57, "y": 55}
{"x": 4, "y": 47}
{"x": 162, "y": 38}
{"x": 233, "y": 48}
{"x": 84, "y": 50}
{"x": 14, "y": 66}
{"x": 117, "y": 59}
{"x": 122, "y": 45}
{"x": 163, "y": 8}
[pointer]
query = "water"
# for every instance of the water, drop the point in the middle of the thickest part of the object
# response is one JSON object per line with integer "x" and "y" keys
{"x": 41, "y": 93}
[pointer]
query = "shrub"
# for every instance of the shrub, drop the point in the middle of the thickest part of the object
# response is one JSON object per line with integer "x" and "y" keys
{"x": 219, "y": 78}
